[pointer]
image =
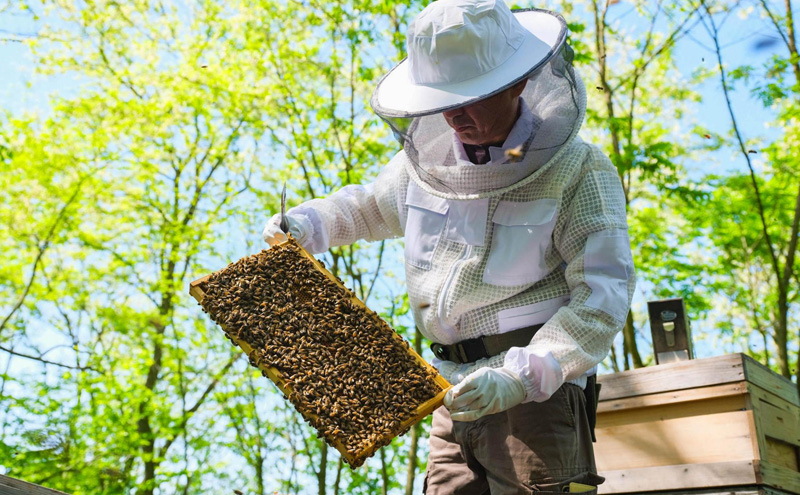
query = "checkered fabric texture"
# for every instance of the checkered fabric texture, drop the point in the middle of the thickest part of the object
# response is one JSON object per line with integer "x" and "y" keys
{"x": 566, "y": 179}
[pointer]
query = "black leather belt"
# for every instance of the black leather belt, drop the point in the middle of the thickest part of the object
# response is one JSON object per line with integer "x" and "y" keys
{"x": 468, "y": 351}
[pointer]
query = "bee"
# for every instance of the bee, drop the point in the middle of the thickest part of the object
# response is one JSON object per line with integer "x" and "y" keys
{"x": 513, "y": 155}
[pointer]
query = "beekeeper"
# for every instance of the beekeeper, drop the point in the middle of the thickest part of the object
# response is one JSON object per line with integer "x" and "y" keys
{"x": 517, "y": 256}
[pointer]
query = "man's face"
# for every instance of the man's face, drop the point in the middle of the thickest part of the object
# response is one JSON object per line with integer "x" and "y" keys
{"x": 487, "y": 121}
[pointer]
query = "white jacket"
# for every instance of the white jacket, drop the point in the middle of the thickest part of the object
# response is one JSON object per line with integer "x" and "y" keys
{"x": 551, "y": 247}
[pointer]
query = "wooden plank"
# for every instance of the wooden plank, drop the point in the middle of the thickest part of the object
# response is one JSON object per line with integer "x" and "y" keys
{"x": 702, "y": 439}
{"x": 778, "y": 476}
{"x": 768, "y": 397}
{"x": 13, "y": 486}
{"x": 732, "y": 490}
{"x": 671, "y": 411}
{"x": 673, "y": 376}
{"x": 422, "y": 411}
{"x": 767, "y": 379}
{"x": 779, "y": 424}
{"x": 672, "y": 397}
{"x": 195, "y": 289}
{"x": 729, "y": 490}
{"x": 782, "y": 454}
{"x": 679, "y": 477}
{"x": 771, "y": 491}
{"x": 777, "y": 417}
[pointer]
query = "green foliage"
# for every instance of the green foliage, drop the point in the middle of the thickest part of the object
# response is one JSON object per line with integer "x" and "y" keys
{"x": 188, "y": 119}
{"x": 165, "y": 161}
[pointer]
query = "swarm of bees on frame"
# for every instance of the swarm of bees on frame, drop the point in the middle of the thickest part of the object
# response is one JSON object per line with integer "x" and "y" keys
{"x": 348, "y": 373}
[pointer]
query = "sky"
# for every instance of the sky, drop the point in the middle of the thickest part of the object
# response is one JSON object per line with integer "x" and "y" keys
{"x": 745, "y": 40}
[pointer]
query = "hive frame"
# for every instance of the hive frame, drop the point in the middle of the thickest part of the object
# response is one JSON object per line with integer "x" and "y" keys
{"x": 423, "y": 410}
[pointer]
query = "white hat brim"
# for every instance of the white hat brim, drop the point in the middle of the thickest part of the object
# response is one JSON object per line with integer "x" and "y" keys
{"x": 397, "y": 96}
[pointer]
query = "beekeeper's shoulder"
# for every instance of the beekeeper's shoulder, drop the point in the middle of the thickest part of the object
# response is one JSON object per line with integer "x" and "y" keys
{"x": 583, "y": 161}
{"x": 394, "y": 175}
{"x": 392, "y": 183}
{"x": 596, "y": 160}
{"x": 396, "y": 166}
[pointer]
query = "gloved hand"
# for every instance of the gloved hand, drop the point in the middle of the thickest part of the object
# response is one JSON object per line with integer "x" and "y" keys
{"x": 482, "y": 392}
{"x": 274, "y": 235}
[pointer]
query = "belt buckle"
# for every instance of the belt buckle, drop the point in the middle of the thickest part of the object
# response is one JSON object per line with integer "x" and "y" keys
{"x": 440, "y": 351}
{"x": 471, "y": 350}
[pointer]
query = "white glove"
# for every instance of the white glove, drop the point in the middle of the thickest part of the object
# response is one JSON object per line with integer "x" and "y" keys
{"x": 274, "y": 235}
{"x": 482, "y": 392}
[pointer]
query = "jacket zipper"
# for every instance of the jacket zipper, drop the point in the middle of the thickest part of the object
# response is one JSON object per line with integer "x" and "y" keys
{"x": 443, "y": 324}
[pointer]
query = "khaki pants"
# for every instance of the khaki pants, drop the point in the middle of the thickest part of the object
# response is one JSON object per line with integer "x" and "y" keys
{"x": 531, "y": 448}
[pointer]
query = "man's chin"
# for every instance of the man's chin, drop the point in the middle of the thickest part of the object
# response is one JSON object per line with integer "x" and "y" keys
{"x": 467, "y": 137}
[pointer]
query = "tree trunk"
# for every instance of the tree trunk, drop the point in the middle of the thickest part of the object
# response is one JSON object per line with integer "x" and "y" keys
{"x": 797, "y": 367}
{"x": 338, "y": 476}
{"x": 629, "y": 335}
{"x": 384, "y": 474}
{"x": 614, "y": 363}
{"x": 143, "y": 424}
{"x": 415, "y": 431}
{"x": 260, "y": 472}
{"x": 781, "y": 340}
{"x": 323, "y": 467}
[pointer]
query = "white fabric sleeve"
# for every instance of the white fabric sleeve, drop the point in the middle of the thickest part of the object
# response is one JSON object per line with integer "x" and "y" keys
{"x": 370, "y": 212}
{"x": 593, "y": 241}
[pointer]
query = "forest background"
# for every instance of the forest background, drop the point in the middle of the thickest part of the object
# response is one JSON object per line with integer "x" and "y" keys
{"x": 143, "y": 144}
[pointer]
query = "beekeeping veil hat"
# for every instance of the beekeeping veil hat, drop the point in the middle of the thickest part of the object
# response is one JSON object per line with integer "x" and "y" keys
{"x": 460, "y": 52}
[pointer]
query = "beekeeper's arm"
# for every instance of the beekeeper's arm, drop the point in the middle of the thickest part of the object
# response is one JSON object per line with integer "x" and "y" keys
{"x": 595, "y": 245}
{"x": 369, "y": 212}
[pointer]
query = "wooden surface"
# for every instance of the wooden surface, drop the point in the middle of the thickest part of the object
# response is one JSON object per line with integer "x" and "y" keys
{"x": 778, "y": 476}
{"x": 673, "y": 376}
{"x": 718, "y": 370}
{"x": 13, "y": 486}
{"x": 731, "y": 490}
{"x": 672, "y": 405}
{"x": 674, "y": 442}
{"x": 422, "y": 411}
{"x": 704, "y": 424}
{"x": 679, "y": 477}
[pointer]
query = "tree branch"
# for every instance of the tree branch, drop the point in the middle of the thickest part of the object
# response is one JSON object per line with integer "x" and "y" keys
{"x": 42, "y": 248}
{"x": 45, "y": 361}
{"x": 714, "y": 33}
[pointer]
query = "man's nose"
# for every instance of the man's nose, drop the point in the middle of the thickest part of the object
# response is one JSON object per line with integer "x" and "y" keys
{"x": 453, "y": 112}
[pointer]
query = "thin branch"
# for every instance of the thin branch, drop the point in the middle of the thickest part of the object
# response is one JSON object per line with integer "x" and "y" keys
{"x": 199, "y": 402}
{"x": 714, "y": 33}
{"x": 45, "y": 361}
{"x": 42, "y": 249}
{"x": 774, "y": 21}
{"x": 377, "y": 270}
{"x": 676, "y": 34}
{"x": 788, "y": 268}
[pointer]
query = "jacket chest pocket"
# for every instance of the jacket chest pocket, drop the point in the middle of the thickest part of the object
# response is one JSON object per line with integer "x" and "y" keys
{"x": 522, "y": 233}
{"x": 426, "y": 220}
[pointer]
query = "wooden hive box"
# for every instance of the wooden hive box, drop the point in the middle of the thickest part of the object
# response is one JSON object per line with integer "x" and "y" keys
{"x": 724, "y": 424}
{"x": 354, "y": 459}
{"x": 14, "y": 486}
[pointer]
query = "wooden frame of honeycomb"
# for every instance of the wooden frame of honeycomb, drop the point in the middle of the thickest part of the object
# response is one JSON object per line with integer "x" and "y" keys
{"x": 355, "y": 453}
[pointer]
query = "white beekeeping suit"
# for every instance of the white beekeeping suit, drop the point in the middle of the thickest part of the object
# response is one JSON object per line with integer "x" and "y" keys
{"x": 491, "y": 248}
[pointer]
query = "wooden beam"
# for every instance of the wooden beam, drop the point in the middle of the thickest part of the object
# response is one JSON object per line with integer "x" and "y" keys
{"x": 680, "y": 477}
{"x": 13, "y": 486}
{"x": 778, "y": 476}
{"x": 767, "y": 379}
{"x": 673, "y": 376}
{"x": 673, "y": 397}
{"x": 706, "y": 439}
